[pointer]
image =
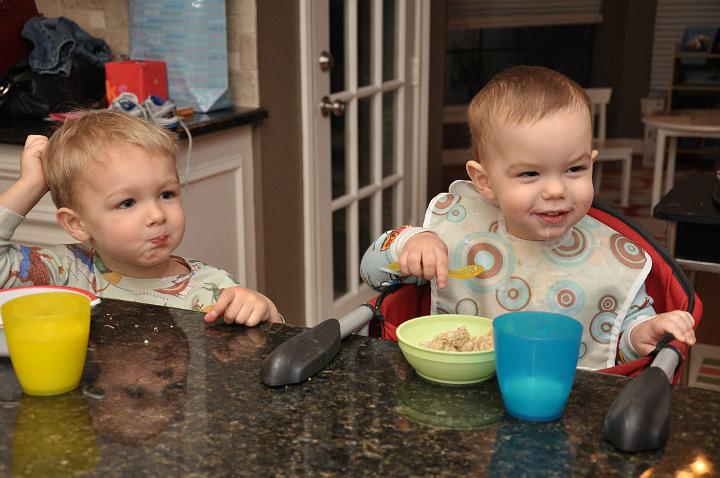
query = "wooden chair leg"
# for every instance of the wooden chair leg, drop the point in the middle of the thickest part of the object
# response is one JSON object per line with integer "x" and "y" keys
{"x": 626, "y": 177}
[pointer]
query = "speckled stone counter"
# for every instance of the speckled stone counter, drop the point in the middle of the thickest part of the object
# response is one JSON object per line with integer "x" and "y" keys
{"x": 14, "y": 131}
{"x": 163, "y": 394}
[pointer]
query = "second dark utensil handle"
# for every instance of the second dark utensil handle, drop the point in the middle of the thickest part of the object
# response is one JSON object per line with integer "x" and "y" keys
{"x": 302, "y": 356}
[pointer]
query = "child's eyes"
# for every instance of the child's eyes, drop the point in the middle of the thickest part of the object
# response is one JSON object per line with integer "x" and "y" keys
{"x": 167, "y": 194}
{"x": 528, "y": 174}
{"x": 576, "y": 169}
{"x": 128, "y": 203}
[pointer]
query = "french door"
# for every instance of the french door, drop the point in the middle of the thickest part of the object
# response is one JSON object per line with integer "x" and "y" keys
{"x": 364, "y": 75}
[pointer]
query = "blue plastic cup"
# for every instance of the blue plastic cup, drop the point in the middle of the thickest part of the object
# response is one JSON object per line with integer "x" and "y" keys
{"x": 536, "y": 355}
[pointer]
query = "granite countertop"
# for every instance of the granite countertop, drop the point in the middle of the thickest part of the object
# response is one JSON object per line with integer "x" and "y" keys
{"x": 14, "y": 131}
{"x": 164, "y": 394}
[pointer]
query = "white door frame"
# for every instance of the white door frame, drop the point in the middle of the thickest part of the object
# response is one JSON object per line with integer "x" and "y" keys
{"x": 316, "y": 181}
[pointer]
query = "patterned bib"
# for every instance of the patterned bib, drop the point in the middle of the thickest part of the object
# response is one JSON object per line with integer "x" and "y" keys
{"x": 591, "y": 274}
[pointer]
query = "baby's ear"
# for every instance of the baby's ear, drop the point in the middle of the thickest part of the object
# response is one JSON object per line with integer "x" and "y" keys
{"x": 479, "y": 177}
{"x": 593, "y": 156}
{"x": 71, "y": 221}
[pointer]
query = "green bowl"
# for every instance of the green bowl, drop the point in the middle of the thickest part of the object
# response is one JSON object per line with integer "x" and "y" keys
{"x": 441, "y": 366}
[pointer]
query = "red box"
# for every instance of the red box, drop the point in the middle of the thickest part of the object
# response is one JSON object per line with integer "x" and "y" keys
{"x": 141, "y": 77}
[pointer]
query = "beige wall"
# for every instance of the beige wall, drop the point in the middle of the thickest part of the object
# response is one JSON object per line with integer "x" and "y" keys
{"x": 280, "y": 251}
{"x": 108, "y": 19}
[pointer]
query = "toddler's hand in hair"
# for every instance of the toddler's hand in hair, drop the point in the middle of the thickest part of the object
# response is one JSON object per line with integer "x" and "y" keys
{"x": 243, "y": 306}
{"x": 31, "y": 161}
{"x": 646, "y": 335}
{"x": 425, "y": 255}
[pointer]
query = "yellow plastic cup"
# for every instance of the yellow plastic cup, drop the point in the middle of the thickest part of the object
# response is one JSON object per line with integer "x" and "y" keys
{"x": 47, "y": 336}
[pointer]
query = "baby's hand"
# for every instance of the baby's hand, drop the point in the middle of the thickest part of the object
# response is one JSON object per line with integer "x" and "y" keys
{"x": 645, "y": 336}
{"x": 243, "y": 306}
{"x": 425, "y": 255}
{"x": 31, "y": 160}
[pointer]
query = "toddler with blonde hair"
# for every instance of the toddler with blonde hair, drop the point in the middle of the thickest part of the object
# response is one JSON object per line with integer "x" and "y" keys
{"x": 114, "y": 182}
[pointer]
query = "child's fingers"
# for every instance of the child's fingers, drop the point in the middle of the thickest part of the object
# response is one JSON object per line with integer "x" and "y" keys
{"x": 252, "y": 313}
{"x": 688, "y": 324}
{"x": 402, "y": 263}
{"x": 413, "y": 266}
{"x": 689, "y": 320}
{"x": 681, "y": 326}
{"x": 236, "y": 312}
{"x": 35, "y": 139}
{"x": 441, "y": 269}
{"x": 256, "y": 316}
{"x": 219, "y": 307}
{"x": 681, "y": 333}
{"x": 242, "y": 306}
{"x": 429, "y": 264}
{"x": 35, "y": 143}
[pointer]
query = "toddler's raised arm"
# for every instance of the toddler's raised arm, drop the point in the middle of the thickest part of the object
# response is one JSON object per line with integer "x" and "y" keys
{"x": 25, "y": 193}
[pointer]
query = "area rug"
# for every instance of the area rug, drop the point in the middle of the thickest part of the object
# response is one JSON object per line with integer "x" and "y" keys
{"x": 704, "y": 369}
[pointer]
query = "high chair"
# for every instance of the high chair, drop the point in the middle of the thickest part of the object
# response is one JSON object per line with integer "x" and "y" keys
{"x": 667, "y": 284}
{"x": 608, "y": 149}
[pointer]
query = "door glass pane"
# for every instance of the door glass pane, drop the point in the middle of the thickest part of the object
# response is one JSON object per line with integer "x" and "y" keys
{"x": 364, "y": 47}
{"x": 388, "y": 212}
{"x": 337, "y": 45}
{"x": 337, "y": 153}
{"x": 388, "y": 133}
{"x": 339, "y": 227}
{"x": 365, "y": 227}
{"x": 389, "y": 32}
{"x": 364, "y": 141}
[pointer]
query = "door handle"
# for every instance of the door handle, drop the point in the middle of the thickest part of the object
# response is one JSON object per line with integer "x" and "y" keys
{"x": 336, "y": 107}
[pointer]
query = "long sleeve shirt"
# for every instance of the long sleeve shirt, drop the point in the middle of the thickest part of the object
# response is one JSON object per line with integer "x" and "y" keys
{"x": 78, "y": 265}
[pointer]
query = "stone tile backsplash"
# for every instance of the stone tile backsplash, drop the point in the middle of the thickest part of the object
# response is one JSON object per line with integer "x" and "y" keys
{"x": 108, "y": 19}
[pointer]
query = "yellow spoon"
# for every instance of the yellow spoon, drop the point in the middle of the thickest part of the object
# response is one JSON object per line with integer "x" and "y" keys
{"x": 466, "y": 272}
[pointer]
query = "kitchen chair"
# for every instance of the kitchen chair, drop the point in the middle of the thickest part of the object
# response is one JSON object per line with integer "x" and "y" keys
{"x": 667, "y": 284}
{"x": 608, "y": 149}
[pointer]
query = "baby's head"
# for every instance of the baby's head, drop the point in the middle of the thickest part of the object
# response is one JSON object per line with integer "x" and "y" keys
{"x": 531, "y": 133}
{"x": 114, "y": 181}
{"x": 87, "y": 140}
{"x": 518, "y": 96}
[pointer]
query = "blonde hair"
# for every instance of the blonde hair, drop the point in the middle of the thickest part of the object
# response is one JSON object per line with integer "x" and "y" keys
{"x": 517, "y": 96}
{"x": 86, "y": 139}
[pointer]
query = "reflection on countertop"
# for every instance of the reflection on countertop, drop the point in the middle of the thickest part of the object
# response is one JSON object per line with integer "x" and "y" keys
{"x": 14, "y": 131}
{"x": 164, "y": 394}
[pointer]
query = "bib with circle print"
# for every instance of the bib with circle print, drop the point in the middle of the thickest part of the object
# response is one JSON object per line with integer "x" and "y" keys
{"x": 592, "y": 273}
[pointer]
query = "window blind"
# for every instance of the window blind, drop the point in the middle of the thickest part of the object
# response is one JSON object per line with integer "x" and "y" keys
{"x": 521, "y": 13}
